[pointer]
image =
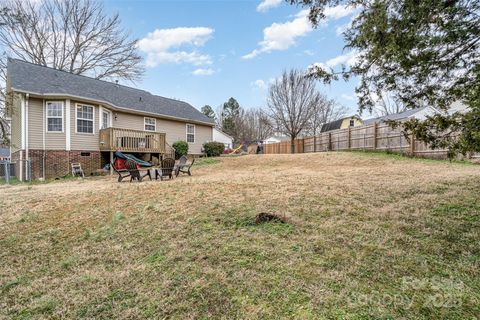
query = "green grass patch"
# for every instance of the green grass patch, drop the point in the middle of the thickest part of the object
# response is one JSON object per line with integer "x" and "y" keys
{"x": 206, "y": 161}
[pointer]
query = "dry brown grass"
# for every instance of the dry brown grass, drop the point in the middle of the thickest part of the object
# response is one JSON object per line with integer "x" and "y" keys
{"x": 360, "y": 228}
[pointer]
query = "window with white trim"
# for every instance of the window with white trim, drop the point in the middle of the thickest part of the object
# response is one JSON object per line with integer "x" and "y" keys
{"x": 84, "y": 115}
{"x": 55, "y": 116}
{"x": 150, "y": 124}
{"x": 190, "y": 133}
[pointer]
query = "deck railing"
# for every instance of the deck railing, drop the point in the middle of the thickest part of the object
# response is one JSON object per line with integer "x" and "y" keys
{"x": 129, "y": 140}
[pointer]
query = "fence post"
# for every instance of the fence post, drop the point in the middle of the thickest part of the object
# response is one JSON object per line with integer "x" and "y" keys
{"x": 412, "y": 144}
{"x": 303, "y": 145}
{"x": 349, "y": 140}
{"x": 314, "y": 143}
{"x": 375, "y": 133}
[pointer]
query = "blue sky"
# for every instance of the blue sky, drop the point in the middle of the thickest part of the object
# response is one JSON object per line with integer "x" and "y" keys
{"x": 205, "y": 52}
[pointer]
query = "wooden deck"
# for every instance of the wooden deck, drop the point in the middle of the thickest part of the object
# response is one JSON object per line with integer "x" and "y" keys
{"x": 128, "y": 140}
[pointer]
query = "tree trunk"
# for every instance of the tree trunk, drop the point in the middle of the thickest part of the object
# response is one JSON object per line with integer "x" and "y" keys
{"x": 292, "y": 145}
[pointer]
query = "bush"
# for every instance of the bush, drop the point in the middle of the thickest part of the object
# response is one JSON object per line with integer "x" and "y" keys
{"x": 213, "y": 149}
{"x": 181, "y": 148}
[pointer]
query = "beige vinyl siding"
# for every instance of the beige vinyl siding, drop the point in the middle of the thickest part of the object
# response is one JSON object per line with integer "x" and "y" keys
{"x": 35, "y": 123}
{"x": 16, "y": 124}
{"x": 56, "y": 140}
{"x": 84, "y": 141}
{"x": 175, "y": 130}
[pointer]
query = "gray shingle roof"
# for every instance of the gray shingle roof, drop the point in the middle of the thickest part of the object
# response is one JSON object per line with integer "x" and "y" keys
{"x": 336, "y": 124}
{"x": 36, "y": 79}
{"x": 396, "y": 116}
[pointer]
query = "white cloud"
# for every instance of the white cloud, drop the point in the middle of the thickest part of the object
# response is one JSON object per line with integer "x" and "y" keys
{"x": 203, "y": 72}
{"x": 281, "y": 36}
{"x": 349, "y": 59}
{"x": 164, "y": 45}
{"x": 265, "y": 5}
{"x": 309, "y": 52}
{"x": 348, "y": 97}
{"x": 260, "y": 84}
{"x": 338, "y": 12}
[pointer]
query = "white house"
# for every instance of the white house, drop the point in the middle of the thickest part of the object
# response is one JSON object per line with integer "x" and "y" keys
{"x": 419, "y": 113}
{"x": 222, "y": 137}
{"x": 275, "y": 139}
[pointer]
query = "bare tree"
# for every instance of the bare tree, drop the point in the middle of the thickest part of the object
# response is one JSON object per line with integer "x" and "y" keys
{"x": 71, "y": 35}
{"x": 387, "y": 104}
{"x": 326, "y": 110}
{"x": 253, "y": 125}
{"x": 291, "y": 102}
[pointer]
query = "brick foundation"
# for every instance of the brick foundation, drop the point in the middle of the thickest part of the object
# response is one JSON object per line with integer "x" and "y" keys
{"x": 58, "y": 162}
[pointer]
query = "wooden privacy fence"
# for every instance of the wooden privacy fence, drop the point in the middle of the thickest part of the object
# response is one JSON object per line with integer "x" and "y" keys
{"x": 369, "y": 137}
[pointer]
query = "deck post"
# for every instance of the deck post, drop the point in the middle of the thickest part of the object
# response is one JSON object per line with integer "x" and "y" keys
{"x": 111, "y": 162}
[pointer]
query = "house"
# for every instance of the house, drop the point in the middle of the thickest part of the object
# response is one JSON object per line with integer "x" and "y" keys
{"x": 222, "y": 137}
{"x": 352, "y": 121}
{"x": 417, "y": 113}
{"x": 276, "y": 139}
{"x": 58, "y": 118}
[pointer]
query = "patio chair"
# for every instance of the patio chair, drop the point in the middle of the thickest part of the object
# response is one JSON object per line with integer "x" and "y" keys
{"x": 134, "y": 171}
{"x": 77, "y": 170}
{"x": 183, "y": 166}
{"x": 166, "y": 170}
{"x": 122, "y": 173}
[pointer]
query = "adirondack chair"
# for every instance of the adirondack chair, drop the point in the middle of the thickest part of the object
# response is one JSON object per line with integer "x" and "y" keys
{"x": 134, "y": 171}
{"x": 122, "y": 173}
{"x": 183, "y": 167}
{"x": 166, "y": 170}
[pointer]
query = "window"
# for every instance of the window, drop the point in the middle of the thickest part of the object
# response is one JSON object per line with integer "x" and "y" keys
{"x": 55, "y": 116}
{"x": 150, "y": 124}
{"x": 84, "y": 118}
{"x": 106, "y": 119}
{"x": 352, "y": 123}
{"x": 190, "y": 133}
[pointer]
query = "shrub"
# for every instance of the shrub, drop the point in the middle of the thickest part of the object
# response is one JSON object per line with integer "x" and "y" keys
{"x": 213, "y": 149}
{"x": 181, "y": 148}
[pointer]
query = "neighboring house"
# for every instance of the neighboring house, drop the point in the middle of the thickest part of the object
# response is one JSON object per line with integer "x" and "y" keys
{"x": 352, "y": 121}
{"x": 276, "y": 139}
{"x": 59, "y": 118}
{"x": 220, "y": 136}
{"x": 417, "y": 113}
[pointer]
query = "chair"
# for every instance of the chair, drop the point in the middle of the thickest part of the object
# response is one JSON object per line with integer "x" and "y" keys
{"x": 122, "y": 173}
{"x": 77, "y": 170}
{"x": 166, "y": 170}
{"x": 183, "y": 166}
{"x": 134, "y": 172}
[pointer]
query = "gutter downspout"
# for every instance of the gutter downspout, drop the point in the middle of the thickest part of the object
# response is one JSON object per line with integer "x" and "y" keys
{"x": 22, "y": 135}
{"x": 44, "y": 119}
{"x": 27, "y": 172}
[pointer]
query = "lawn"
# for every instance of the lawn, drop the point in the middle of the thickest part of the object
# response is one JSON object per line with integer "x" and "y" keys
{"x": 366, "y": 236}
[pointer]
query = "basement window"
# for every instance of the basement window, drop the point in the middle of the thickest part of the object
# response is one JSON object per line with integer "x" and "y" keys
{"x": 54, "y": 116}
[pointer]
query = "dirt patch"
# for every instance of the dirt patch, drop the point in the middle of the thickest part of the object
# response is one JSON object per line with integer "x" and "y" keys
{"x": 264, "y": 217}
